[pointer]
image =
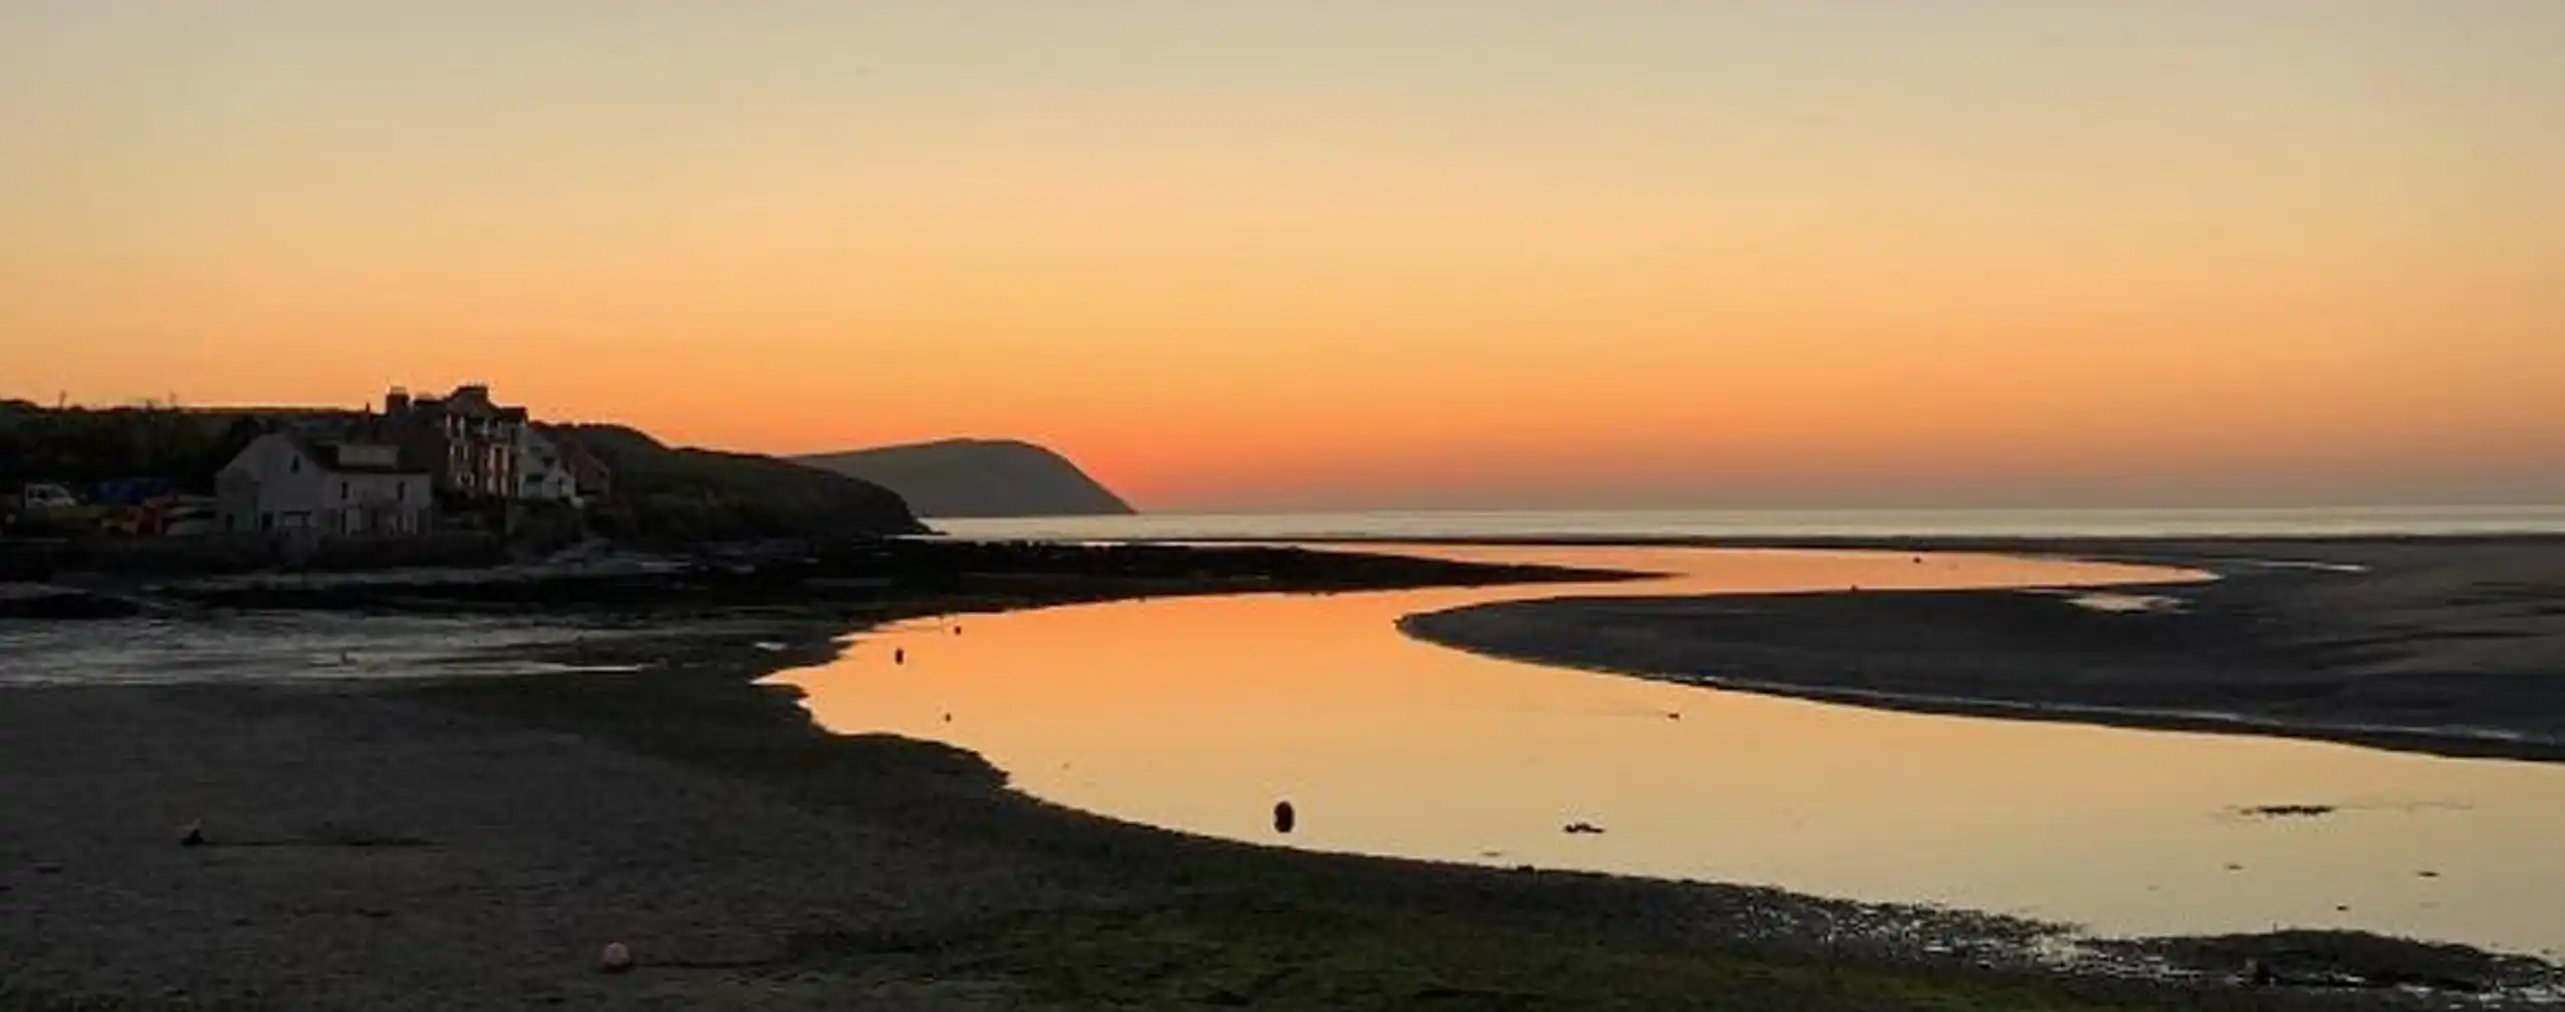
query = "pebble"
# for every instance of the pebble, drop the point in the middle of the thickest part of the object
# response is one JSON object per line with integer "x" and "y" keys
{"x": 615, "y": 958}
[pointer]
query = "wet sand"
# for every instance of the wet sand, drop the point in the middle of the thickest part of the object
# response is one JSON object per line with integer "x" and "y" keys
{"x": 473, "y": 843}
{"x": 2453, "y": 647}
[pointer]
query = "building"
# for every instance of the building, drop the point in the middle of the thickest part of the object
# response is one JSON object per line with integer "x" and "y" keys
{"x": 589, "y": 474}
{"x": 474, "y": 445}
{"x": 288, "y": 481}
{"x": 543, "y": 473}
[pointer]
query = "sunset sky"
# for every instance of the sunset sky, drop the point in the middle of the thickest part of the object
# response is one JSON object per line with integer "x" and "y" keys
{"x": 1343, "y": 253}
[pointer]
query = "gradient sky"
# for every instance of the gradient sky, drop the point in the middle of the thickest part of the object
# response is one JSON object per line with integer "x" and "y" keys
{"x": 1345, "y": 252}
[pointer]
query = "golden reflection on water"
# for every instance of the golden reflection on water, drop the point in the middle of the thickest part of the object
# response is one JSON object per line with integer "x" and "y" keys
{"x": 1200, "y": 713}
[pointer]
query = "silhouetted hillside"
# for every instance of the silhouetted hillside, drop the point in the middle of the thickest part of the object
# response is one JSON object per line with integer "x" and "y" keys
{"x": 688, "y": 495}
{"x": 83, "y": 446}
{"x": 977, "y": 478}
{"x": 659, "y": 494}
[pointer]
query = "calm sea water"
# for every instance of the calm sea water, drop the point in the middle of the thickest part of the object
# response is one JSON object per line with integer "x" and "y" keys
{"x": 1597, "y": 525}
{"x": 1199, "y": 713}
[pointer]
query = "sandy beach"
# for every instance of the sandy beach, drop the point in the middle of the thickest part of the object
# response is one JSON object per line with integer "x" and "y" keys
{"x": 2447, "y": 646}
{"x": 474, "y": 843}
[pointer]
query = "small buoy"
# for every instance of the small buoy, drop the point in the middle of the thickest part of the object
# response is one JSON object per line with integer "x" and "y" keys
{"x": 191, "y": 835}
{"x": 1674, "y": 715}
{"x": 616, "y": 958}
{"x": 899, "y": 656}
{"x": 948, "y": 718}
{"x": 1284, "y": 817}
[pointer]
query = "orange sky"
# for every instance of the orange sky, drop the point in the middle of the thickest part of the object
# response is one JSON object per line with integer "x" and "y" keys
{"x": 1348, "y": 254}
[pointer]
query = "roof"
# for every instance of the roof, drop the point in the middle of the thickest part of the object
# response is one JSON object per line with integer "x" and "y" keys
{"x": 324, "y": 454}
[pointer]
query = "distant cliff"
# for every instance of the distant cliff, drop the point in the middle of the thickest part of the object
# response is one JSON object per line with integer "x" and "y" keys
{"x": 977, "y": 478}
{"x": 685, "y": 495}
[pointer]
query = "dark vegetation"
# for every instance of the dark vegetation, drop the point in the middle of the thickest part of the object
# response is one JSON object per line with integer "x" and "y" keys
{"x": 84, "y": 447}
{"x": 667, "y": 495}
{"x": 978, "y": 478}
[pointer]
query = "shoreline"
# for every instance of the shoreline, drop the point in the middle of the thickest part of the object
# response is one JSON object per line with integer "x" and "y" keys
{"x": 2451, "y": 743}
{"x": 2336, "y": 640}
{"x": 753, "y": 860}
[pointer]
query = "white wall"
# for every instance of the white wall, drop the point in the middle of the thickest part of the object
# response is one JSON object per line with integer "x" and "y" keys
{"x": 274, "y": 486}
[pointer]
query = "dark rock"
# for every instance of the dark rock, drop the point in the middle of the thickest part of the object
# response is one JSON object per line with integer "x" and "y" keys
{"x": 2288, "y": 811}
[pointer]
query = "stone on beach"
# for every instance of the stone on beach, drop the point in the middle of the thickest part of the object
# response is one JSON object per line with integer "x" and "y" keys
{"x": 615, "y": 958}
{"x": 191, "y": 835}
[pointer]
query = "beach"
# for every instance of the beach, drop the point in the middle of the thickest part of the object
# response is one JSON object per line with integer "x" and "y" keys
{"x": 477, "y": 842}
{"x": 2448, "y": 646}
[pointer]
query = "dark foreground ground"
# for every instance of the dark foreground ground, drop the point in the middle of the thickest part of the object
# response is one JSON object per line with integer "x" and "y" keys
{"x": 472, "y": 844}
{"x": 2451, "y": 646}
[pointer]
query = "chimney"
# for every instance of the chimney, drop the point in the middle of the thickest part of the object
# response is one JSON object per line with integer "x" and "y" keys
{"x": 397, "y": 403}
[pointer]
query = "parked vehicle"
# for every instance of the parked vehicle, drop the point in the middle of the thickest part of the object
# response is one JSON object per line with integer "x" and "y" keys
{"x": 43, "y": 497}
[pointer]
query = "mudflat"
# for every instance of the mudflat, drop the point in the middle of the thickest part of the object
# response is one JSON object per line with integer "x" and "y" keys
{"x": 477, "y": 843}
{"x": 2446, "y": 645}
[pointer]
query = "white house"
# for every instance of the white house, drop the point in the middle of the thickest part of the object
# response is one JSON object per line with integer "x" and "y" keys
{"x": 286, "y": 482}
{"x": 543, "y": 475}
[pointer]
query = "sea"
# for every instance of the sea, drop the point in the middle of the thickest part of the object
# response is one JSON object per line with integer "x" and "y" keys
{"x": 2341, "y": 522}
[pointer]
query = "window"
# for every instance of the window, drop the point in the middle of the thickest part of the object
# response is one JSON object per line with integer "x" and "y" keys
{"x": 294, "y": 465}
{"x": 267, "y": 521}
{"x": 400, "y": 491}
{"x": 342, "y": 491}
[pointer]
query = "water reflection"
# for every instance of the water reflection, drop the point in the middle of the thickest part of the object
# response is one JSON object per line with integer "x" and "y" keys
{"x": 1201, "y": 713}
